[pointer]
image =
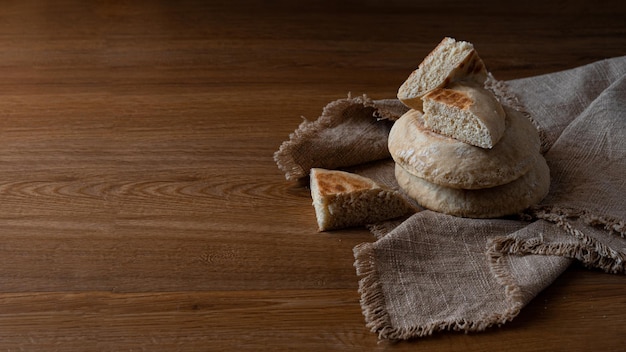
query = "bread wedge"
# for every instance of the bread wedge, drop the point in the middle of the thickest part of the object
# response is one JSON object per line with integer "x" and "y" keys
{"x": 467, "y": 112}
{"x": 342, "y": 199}
{"x": 449, "y": 62}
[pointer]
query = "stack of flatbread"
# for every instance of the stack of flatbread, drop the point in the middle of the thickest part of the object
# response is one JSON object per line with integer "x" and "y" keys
{"x": 458, "y": 150}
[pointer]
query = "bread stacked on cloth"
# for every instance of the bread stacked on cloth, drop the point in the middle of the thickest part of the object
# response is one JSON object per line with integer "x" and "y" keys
{"x": 458, "y": 150}
{"x": 432, "y": 271}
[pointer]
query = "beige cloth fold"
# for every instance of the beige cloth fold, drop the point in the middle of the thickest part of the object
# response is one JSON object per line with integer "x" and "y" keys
{"x": 330, "y": 142}
{"x": 434, "y": 272}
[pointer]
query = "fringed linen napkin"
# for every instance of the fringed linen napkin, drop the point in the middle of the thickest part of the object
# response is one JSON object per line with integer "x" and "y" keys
{"x": 434, "y": 272}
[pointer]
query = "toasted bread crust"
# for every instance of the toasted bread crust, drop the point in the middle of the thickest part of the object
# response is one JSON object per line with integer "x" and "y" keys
{"x": 465, "y": 111}
{"x": 450, "y": 97}
{"x": 329, "y": 182}
{"x": 343, "y": 199}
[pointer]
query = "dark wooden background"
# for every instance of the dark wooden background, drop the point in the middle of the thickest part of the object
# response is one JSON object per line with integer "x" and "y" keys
{"x": 140, "y": 208}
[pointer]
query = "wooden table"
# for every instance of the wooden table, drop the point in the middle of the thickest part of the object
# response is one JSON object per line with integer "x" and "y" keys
{"x": 141, "y": 209}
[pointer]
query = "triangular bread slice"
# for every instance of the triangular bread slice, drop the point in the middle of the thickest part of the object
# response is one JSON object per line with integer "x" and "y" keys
{"x": 343, "y": 199}
{"x": 467, "y": 112}
{"x": 449, "y": 62}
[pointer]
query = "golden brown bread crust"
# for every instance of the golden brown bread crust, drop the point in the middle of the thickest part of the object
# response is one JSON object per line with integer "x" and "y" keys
{"x": 343, "y": 199}
{"x": 450, "y": 97}
{"x": 329, "y": 182}
{"x": 465, "y": 111}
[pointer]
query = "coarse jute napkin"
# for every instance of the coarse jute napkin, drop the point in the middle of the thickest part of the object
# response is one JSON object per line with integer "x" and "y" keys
{"x": 434, "y": 272}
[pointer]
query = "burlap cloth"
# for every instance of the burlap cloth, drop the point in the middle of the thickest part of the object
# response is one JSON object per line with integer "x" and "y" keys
{"x": 435, "y": 272}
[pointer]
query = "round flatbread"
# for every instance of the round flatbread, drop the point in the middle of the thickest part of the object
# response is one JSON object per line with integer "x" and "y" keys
{"x": 449, "y": 162}
{"x": 508, "y": 199}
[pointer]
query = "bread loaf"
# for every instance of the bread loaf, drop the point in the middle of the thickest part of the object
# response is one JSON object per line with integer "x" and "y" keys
{"x": 449, "y": 62}
{"x": 451, "y": 163}
{"x": 342, "y": 199}
{"x": 507, "y": 199}
{"x": 465, "y": 111}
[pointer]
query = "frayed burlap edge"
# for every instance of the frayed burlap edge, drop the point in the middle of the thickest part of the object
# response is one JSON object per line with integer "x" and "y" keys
{"x": 387, "y": 109}
{"x": 384, "y": 109}
{"x": 373, "y": 304}
{"x": 587, "y": 250}
{"x": 498, "y": 250}
{"x": 556, "y": 214}
{"x": 381, "y": 229}
{"x": 308, "y": 129}
{"x": 590, "y": 252}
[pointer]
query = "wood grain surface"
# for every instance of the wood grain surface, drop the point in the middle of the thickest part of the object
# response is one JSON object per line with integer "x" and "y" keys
{"x": 140, "y": 207}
